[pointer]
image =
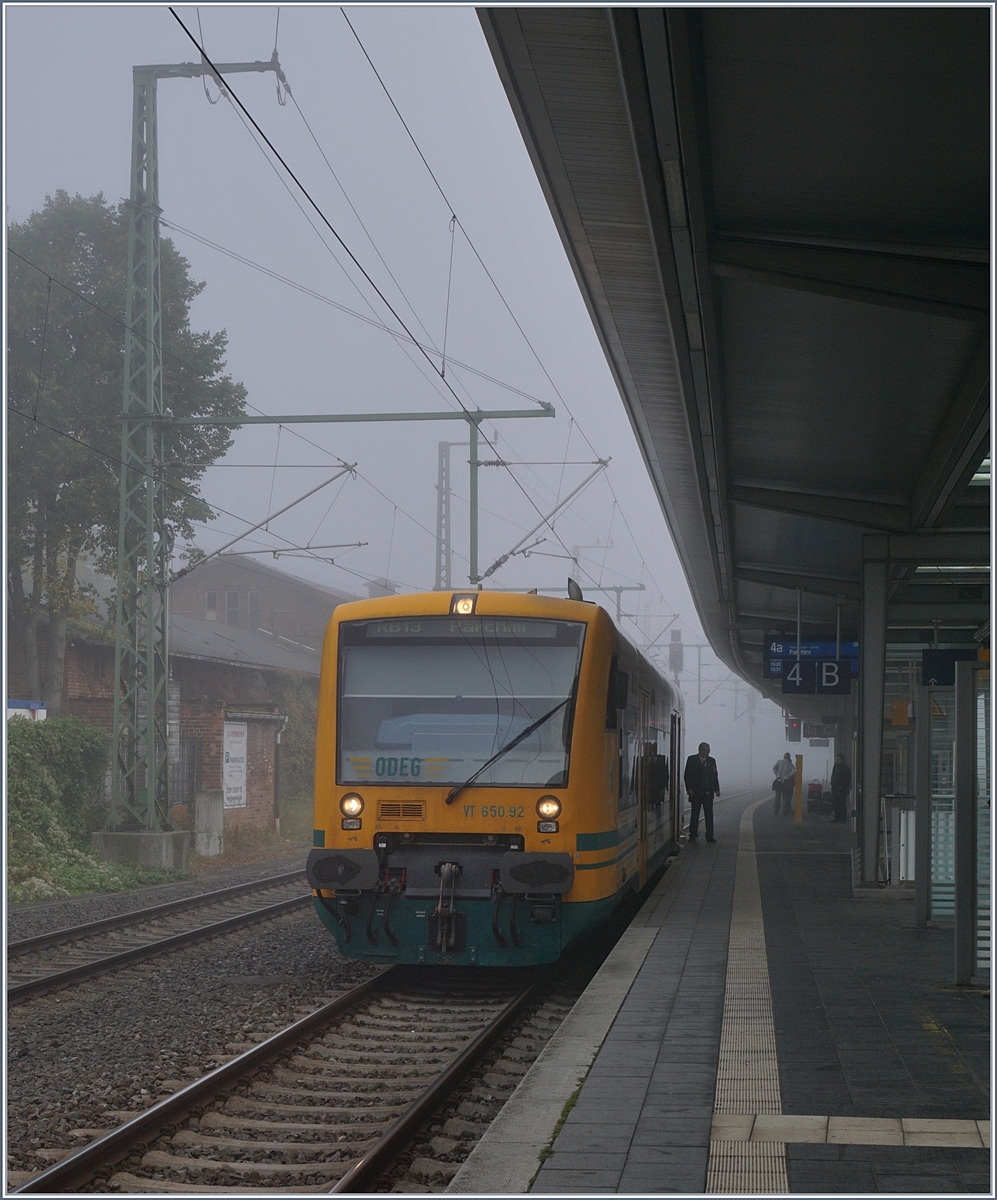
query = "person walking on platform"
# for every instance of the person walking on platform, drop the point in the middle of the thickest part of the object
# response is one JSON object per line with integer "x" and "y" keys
{"x": 784, "y": 784}
{"x": 702, "y": 783}
{"x": 841, "y": 785}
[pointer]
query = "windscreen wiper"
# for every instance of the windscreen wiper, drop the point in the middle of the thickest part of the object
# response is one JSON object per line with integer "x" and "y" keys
{"x": 520, "y": 737}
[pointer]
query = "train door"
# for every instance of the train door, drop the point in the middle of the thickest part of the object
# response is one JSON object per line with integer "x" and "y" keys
{"x": 675, "y": 779}
{"x": 643, "y": 780}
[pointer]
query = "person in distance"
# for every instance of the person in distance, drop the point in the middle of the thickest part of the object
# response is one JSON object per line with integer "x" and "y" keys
{"x": 784, "y": 784}
{"x": 702, "y": 783}
{"x": 841, "y": 785}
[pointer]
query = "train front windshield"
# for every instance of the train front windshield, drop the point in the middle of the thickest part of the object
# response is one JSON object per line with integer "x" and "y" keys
{"x": 429, "y": 700}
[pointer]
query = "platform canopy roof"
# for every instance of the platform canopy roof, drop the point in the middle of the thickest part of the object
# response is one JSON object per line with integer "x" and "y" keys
{"x": 779, "y": 219}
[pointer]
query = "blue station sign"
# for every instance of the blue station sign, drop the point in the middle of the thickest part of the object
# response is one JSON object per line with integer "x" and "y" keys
{"x": 780, "y": 651}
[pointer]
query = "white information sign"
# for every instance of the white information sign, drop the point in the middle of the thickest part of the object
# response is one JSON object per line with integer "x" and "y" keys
{"x": 234, "y": 742}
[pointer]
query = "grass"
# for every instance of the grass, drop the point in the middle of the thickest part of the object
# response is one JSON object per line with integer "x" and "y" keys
{"x": 569, "y": 1104}
{"x": 76, "y": 873}
{"x": 245, "y": 844}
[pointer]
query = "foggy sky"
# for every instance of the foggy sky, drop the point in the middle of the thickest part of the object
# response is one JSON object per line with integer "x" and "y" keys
{"x": 67, "y": 117}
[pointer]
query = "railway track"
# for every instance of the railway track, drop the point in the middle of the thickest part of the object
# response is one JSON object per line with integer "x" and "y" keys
{"x": 54, "y": 960}
{"x": 325, "y": 1105}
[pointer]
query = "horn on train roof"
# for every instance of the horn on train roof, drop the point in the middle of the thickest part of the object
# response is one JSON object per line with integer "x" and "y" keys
{"x": 574, "y": 591}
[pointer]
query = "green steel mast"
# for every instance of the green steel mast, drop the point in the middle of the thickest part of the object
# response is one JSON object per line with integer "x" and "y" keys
{"x": 139, "y": 756}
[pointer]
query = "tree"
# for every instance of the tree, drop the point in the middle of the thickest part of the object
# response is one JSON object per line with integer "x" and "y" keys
{"x": 65, "y": 331}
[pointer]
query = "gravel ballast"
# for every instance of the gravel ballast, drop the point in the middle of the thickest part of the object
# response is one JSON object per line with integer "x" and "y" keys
{"x": 122, "y": 1041}
{"x": 44, "y": 916}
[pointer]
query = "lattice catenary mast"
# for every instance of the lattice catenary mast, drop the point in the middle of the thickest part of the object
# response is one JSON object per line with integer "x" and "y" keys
{"x": 139, "y": 756}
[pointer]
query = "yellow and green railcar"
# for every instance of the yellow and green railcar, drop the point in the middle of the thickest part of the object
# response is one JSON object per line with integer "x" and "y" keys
{"x": 494, "y": 773}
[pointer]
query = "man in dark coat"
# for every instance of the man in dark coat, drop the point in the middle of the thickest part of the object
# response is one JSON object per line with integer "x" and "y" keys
{"x": 841, "y": 785}
{"x": 702, "y": 783}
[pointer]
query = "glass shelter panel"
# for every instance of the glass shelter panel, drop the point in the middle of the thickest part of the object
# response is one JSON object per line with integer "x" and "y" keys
{"x": 981, "y": 683}
{"x": 941, "y": 892}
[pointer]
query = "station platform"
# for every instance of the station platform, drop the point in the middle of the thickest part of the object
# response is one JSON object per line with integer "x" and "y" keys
{"x": 757, "y": 1030}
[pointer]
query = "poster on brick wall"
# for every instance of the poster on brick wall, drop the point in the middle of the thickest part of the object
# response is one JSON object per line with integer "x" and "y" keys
{"x": 234, "y": 742}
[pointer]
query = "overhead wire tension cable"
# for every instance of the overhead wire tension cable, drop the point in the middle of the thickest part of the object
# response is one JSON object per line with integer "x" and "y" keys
{"x": 484, "y": 267}
{"x": 298, "y": 551}
{"x": 41, "y": 357}
{"x": 446, "y": 319}
{"x": 186, "y": 366}
{"x": 546, "y": 521}
{"x": 174, "y": 487}
{"x": 281, "y": 100}
{"x": 353, "y": 208}
{"x": 328, "y": 510}
{"x": 374, "y": 322}
{"x": 273, "y": 477}
{"x": 325, "y": 220}
{"x": 204, "y": 79}
{"x": 467, "y": 413}
{"x": 266, "y": 521}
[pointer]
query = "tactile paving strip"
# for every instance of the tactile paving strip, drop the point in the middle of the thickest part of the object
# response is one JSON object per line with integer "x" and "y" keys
{"x": 748, "y": 1069}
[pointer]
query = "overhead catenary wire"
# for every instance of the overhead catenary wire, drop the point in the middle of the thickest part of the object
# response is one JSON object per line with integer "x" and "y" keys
{"x": 276, "y": 455}
{"x": 204, "y": 78}
{"x": 325, "y": 220}
{"x": 264, "y": 523}
{"x": 353, "y": 209}
{"x": 190, "y": 493}
{"x": 373, "y": 321}
{"x": 41, "y": 357}
{"x": 167, "y": 354}
{"x": 183, "y": 490}
{"x": 484, "y": 267}
{"x": 446, "y": 319}
{"x": 277, "y": 420}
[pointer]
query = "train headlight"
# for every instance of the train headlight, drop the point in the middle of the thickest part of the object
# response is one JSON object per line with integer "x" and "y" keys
{"x": 463, "y": 605}
{"x": 351, "y": 805}
{"x": 548, "y": 808}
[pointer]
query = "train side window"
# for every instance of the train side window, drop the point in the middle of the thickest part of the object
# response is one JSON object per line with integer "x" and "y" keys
{"x": 612, "y": 701}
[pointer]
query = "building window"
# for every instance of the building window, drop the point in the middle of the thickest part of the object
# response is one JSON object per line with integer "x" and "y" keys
{"x": 211, "y": 606}
{"x": 254, "y": 610}
{"x": 231, "y": 608}
{"x": 183, "y": 773}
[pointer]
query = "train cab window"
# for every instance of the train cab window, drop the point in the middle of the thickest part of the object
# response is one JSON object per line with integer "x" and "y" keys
{"x": 430, "y": 699}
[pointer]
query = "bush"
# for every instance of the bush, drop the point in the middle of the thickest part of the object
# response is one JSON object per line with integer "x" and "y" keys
{"x": 55, "y": 799}
{"x": 296, "y": 697}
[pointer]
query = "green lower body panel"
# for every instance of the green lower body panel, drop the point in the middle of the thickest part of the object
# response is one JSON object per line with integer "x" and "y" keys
{"x": 410, "y": 931}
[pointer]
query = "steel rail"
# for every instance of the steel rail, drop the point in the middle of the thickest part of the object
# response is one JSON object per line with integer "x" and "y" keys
{"x": 46, "y": 983}
{"x": 80, "y": 1166}
{"x": 72, "y": 933}
{"x": 364, "y": 1173}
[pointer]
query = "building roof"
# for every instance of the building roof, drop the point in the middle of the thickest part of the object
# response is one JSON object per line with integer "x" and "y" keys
{"x": 259, "y": 567}
{"x": 216, "y": 642}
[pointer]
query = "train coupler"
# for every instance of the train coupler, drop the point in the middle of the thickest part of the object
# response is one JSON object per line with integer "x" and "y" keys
{"x": 447, "y": 927}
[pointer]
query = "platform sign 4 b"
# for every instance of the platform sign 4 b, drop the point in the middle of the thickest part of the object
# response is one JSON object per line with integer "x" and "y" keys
{"x": 780, "y": 654}
{"x": 817, "y": 676}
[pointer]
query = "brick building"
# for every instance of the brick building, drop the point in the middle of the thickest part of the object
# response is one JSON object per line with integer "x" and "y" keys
{"x": 239, "y": 591}
{"x": 224, "y": 686}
